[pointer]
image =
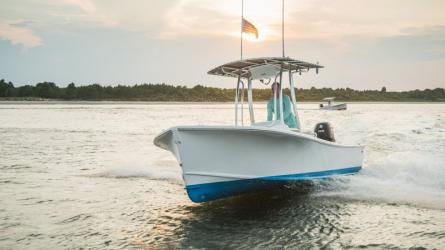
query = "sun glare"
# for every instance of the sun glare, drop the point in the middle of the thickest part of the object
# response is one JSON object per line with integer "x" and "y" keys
{"x": 252, "y": 37}
{"x": 262, "y": 36}
{"x": 263, "y": 14}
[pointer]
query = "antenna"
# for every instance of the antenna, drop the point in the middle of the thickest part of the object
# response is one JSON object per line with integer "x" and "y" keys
{"x": 282, "y": 26}
{"x": 242, "y": 20}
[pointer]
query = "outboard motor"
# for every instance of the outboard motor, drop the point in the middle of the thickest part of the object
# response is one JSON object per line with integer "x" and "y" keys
{"x": 324, "y": 131}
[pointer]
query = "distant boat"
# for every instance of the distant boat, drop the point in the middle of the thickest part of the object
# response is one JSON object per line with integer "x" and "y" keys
{"x": 221, "y": 161}
{"x": 331, "y": 105}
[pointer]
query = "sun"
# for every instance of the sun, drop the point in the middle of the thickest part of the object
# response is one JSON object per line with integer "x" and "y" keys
{"x": 252, "y": 37}
{"x": 248, "y": 37}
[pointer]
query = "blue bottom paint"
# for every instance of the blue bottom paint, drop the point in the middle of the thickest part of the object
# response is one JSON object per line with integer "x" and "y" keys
{"x": 212, "y": 191}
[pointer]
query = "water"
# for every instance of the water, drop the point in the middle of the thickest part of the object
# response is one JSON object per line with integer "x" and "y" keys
{"x": 88, "y": 176}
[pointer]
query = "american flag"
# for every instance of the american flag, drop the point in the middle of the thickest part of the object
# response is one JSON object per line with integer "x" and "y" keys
{"x": 248, "y": 27}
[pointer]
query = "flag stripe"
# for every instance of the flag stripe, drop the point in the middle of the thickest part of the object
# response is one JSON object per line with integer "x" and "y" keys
{"x": 249, "y": 28}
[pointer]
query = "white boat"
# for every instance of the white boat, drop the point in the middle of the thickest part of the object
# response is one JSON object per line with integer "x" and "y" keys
{"x": 331, "y": 105}
{"x": 222, "y": 161}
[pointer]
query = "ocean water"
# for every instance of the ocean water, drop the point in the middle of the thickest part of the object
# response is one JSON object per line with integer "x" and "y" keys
{"x": 87, "y": 175}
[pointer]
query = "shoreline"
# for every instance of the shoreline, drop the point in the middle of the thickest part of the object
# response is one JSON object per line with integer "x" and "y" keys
{"x": 114, "y": 102}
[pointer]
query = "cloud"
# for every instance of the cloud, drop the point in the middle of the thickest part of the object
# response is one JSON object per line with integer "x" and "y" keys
{"x": 305, "y": 19}
{"x": 12, "y": 32}
{"x": 221, "y": 18}
{"x": 86, "y": 5}
{"x": 77, "y": 12}
{"x": 142, "y": 16}
{"x": 416, "y": 44}
{"x": 189, "y": 18}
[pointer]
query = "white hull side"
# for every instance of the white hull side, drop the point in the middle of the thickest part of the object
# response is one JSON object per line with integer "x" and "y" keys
{"x": 217, "y": 154}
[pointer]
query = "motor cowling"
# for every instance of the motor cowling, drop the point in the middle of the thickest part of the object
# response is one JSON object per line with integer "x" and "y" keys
{"x": 324, "y": 131}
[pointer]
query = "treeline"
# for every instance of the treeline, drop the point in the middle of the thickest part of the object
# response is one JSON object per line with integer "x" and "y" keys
{"x": 199, "y": 93}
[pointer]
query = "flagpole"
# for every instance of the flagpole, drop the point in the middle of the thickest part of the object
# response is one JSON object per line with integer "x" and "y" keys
{"x": 282, "y": 26}
{"x": 242, "y": 18}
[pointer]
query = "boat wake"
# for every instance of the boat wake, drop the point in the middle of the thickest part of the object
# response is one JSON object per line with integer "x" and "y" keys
{"x": 401, "y": 178}
{"x": 146, "y": 172}
{"x": 137, "y": 167}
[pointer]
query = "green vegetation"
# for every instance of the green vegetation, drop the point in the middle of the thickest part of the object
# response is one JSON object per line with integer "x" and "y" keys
{"x": 164, "y": 92}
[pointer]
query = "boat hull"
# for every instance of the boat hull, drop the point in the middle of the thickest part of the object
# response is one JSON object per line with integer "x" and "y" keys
{"x": 224, "y": 161}
{"x": 340, "y": 106}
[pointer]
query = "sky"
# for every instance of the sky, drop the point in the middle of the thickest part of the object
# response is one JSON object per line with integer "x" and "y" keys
{"x": 399, "y": 44}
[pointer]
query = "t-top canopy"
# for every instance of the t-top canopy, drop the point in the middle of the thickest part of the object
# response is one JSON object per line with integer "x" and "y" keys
{"x": 243, "y": 67}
